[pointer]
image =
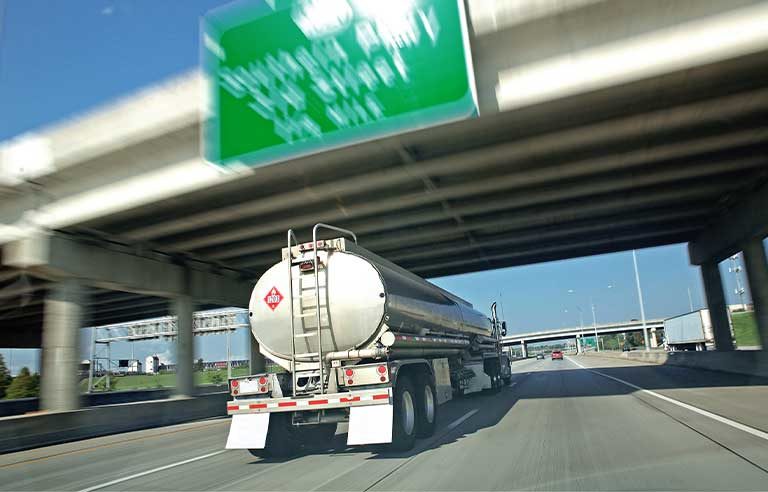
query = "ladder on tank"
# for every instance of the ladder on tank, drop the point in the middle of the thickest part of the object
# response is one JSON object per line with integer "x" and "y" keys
{"x": 312, "y": 311}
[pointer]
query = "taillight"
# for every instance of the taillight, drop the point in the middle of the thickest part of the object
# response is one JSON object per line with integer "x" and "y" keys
{"x": 307, "y": 266}
{"x": 262, "y": 380}
{"x": 382, "y": 369}
{"x": 349, "y": 372}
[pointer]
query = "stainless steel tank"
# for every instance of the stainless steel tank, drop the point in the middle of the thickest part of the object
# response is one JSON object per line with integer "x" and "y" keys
{"x": 365, "y": 295}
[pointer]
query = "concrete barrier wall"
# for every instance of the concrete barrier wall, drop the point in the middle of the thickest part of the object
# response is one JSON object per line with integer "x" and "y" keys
{"x": 26, "y": 405}
{"x": 752, "y": 363}
{"x": 30, "y": 431}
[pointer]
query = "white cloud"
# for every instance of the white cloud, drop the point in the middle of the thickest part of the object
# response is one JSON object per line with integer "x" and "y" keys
{"x": 108, "y": 10}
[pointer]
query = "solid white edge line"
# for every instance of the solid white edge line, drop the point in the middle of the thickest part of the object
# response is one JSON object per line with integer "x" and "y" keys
{"x": 713, "y": 416}
{"x": 154, "y": 470}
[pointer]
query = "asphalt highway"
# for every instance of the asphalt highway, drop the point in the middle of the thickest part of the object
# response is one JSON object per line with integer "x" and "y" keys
{"x": 579, "y": 424}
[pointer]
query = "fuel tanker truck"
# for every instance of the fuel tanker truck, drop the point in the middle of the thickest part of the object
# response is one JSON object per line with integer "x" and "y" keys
{"x": 359, "y": 340}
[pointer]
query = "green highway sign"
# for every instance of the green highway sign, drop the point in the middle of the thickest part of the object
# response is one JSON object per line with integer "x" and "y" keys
{"x": 292, "y": 77}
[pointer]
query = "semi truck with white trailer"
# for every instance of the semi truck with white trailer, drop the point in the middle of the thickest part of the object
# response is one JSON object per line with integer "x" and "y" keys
{"x": 361, "y": 340}
{"x": 689, "y": 331}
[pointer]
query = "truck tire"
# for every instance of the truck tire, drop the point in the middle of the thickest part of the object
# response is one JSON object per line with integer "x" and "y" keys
{"x": 426, "y": 406}
{"x": 282, "y": 438}
{"x": 404, "y": 415}
{"x": 320, "y": 435}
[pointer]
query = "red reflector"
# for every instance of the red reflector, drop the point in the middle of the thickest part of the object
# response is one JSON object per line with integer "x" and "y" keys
{"x": 235, "y": 383}
{"x": 318, "y": 402}
{"x": 234, "y": 391}
{"x": 381, "y": 397}
{"x": 349, "y": 372}
{"x": 263, "y": 389}
{"x": 233, "y": 408}
{"x": 287, "y": 404}
{"x": 348, "y": 400}
{"x": 305, "y": 266}
{"x": 382, "y": 379}
{"x": 257, "y": 405}
{"x": 350, "y": 381}
{"x": 262, "y": 380}
{"x": 382, "y": 369}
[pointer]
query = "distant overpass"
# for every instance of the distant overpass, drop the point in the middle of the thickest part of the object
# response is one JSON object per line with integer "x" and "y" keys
{"x": 575, "y": 332}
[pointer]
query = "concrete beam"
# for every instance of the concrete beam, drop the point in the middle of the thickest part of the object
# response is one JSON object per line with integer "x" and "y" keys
{"x": 106, "y": 265}
{"x": 185, "y": 348}
{"x": 718, "y": 309}
{"x": 726, "y": 234}
{"x": 757, "y": 273}
{"x": 64, "y": 313}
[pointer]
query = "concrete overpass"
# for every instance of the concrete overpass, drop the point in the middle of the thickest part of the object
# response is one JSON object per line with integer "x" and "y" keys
{"x": 113, "y": 215}
{"x": 523, "y": 339}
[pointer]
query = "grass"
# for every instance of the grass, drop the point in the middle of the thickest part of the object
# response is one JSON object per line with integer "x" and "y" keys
{"x": 164, "y": 380}
{"x": 745, "y": 329}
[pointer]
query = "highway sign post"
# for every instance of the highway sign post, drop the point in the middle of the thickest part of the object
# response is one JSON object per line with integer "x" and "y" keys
{"x": 291, "y": 77}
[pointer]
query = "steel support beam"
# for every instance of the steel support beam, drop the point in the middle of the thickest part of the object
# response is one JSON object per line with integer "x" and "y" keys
{"x": 757, "y": 273}
{"x": 718, "y": 308}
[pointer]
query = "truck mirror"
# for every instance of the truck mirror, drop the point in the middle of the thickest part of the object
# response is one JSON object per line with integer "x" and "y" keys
{"x": 503, "y": 328}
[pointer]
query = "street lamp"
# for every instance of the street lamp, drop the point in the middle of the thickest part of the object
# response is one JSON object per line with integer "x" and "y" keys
{"x": 735, "y": 268}
{"x": 640, "y": 298}
{"x": 581, "y": 325}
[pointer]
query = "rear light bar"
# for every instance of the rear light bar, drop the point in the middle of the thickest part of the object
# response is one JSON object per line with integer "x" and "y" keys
{"x": 308, "y": 246}
{"x": 259, "y": 384}
{"x": 363, "y": 375}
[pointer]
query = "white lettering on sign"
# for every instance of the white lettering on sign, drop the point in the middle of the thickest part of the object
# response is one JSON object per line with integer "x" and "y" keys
{"x": 270, "y": 86}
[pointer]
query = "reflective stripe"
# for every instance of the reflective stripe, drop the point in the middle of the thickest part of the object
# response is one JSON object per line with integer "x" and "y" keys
{"x": 236, "y": 407}
{"x": 318, "y": 402}
{"x": 286, "y": 404}
{"x": 380, "y": 397}
{"x": 257, "y": 405}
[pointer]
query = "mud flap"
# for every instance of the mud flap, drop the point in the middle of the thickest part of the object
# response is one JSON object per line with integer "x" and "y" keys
{"x": 248, "y": 431}
{"x": 370, "y": 425}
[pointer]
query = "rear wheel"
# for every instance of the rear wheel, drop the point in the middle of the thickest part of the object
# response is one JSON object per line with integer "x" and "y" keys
{"x": 404, "y": 415}
{"x": 282, "y": 437}
{"x": 317, "y": 435}
{"x": 426, "y": 406}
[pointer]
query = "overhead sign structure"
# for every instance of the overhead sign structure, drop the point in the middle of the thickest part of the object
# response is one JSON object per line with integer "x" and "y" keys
{"x": 292, "y": 77}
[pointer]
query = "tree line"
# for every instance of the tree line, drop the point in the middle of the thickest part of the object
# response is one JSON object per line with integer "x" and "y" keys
{"x": 24, "y": 385}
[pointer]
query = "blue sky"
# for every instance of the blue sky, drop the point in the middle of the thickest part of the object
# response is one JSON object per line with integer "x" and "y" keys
{"x": 59, "y": 58}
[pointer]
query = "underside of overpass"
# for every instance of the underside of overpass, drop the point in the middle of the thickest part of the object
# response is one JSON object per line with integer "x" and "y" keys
{"x": 645, "y": 164}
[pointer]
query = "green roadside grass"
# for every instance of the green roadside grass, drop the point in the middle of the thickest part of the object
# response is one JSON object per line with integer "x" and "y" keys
{"x": 745, "y": 329}
{"x": 163, "y": 380}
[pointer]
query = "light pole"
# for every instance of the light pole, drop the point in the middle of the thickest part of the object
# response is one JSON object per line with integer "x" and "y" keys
{"x": 594, "y": 325}
{"x": 640, "y": 298}
{"x": 580, "y": 341}
{"x": 690, "y": 300}
{"x": 736, "y": 269}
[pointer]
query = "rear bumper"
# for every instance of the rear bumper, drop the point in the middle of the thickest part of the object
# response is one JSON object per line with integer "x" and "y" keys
{"x": 382, "y": 396}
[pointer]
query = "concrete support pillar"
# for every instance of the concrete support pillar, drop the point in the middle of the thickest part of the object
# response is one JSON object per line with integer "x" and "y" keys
{"x": 757, "y": 273}
{"x": 183, "y": 308}
{"x": 718, "y": 310}
{"x": 654, "y": 340}
{"x": 524, "y": 348}
{"x": 258, "y": 361}
{"x": 64, "y": 310}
